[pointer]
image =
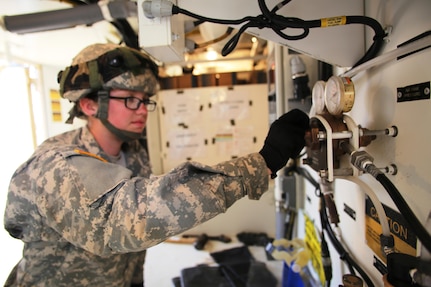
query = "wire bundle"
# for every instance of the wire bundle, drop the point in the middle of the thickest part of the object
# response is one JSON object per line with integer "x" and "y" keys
{"x": 278, "y": 23}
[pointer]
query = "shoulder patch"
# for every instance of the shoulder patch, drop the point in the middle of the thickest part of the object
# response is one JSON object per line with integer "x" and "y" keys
{"x": 98, "y": 177}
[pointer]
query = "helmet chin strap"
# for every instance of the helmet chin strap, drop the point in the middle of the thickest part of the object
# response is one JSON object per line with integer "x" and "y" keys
{"x": 102, "y": 114}
{"x": 123, "y": 135}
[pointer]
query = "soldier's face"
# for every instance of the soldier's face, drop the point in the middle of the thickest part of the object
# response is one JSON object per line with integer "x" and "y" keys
{"x": 127, "y": 111}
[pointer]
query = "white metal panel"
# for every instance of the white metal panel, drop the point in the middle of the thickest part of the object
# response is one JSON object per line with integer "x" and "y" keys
{"x": 376, "y": 107}
{"x": 342, "y": 45}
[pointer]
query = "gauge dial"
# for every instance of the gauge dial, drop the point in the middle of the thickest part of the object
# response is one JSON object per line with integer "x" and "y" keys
{"x": 339, "y": 95}
{"x": 318, "y": 97}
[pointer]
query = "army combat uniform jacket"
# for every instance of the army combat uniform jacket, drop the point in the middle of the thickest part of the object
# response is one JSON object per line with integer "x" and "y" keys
{"x": 86, "y": 221}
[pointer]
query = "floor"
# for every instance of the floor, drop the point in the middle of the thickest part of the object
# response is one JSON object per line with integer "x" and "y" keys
{"x": 166, "y": 260}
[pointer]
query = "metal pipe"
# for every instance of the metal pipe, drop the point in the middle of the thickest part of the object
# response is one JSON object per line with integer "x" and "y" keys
{"x": 392, "y": 131}
{"x": 68, "y": 18}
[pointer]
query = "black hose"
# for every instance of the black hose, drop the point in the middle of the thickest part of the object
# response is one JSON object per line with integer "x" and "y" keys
{"x": 378, "y": 30}
{"x": 326, "y": 260}
{"x": 326, "y": 225}
{"x": 378, "y": 40}
{"x": 344, "y": 255}
{"x": 405, "y": 210}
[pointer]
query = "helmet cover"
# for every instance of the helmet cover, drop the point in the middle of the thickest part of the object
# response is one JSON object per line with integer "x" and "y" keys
{"x": 105, "y": 67}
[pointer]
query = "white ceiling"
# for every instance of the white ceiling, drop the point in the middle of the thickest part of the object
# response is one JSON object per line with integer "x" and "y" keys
{"x": 57, "y": 48}
{"x": 54, "y": 48}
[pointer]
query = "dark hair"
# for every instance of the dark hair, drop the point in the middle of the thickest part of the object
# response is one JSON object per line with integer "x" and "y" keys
{"x": 76, "y": 109}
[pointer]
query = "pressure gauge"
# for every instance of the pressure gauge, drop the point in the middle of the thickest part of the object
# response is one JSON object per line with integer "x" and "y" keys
{"x": 339, "y": 95}
{"x": 318, "y": 97}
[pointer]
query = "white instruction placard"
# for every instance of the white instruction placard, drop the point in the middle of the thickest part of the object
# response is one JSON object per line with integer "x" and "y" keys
{"x": 228, "y": 105}
{"x": 186, "y": 143}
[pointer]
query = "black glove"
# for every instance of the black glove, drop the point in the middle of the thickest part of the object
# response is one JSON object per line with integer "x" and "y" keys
{"x": 285, "y": 139}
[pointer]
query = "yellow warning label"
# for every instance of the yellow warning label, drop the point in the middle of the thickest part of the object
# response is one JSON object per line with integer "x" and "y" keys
{"x": 332, "y": 21}
{"x": 312, "y": 241}
{"x": 404, "y": 238}
{"x": 55, "y": 105}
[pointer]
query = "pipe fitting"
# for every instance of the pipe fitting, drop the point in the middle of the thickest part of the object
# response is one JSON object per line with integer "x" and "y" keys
{"x": 361, "y": 160}
{"x": 157, "y": 8}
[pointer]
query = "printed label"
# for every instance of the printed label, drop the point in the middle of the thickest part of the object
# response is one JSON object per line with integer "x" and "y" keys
{"x": 404, "y": 237}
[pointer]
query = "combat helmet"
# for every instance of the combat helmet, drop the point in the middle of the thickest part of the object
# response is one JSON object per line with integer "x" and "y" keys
{"x": 102, "y": 67}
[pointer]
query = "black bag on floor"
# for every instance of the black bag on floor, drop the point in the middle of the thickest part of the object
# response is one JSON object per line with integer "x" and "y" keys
{"x": 237, "y": 268}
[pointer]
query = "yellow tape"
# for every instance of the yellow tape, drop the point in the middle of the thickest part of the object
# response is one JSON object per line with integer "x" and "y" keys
{"x": 333, "y": 21}
{"x": 83, "y": 152}
{"x": 313, "y": 243}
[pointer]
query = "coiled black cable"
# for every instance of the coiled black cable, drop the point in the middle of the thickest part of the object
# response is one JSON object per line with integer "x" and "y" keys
{"x": 278, "y": 23}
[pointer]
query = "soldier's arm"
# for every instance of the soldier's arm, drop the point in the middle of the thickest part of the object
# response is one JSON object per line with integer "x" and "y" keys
{"x": 98, "y": 207}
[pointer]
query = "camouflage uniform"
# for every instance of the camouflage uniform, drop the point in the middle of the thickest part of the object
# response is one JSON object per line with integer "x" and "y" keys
{"x": 86, "y": 221}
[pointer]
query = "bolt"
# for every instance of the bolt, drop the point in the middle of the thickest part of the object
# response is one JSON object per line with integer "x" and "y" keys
{"x": 323, "y": 173}
{"x": 175, "y": 36}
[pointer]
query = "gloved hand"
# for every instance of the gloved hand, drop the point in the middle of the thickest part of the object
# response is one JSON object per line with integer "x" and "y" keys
{"x": 285, "y": 139}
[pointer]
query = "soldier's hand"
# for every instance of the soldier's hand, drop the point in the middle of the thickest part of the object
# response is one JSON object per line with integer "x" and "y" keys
{"x": 285, "y": 139}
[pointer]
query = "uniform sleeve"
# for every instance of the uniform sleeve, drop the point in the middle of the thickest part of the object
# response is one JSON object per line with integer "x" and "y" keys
{"x": 97, "y": 205}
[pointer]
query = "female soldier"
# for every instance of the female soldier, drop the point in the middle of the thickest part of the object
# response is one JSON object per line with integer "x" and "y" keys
{"x": 85, "y": 204}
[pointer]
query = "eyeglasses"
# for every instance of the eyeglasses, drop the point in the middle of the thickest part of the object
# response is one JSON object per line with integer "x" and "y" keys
{"x": 133, "y": 103}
